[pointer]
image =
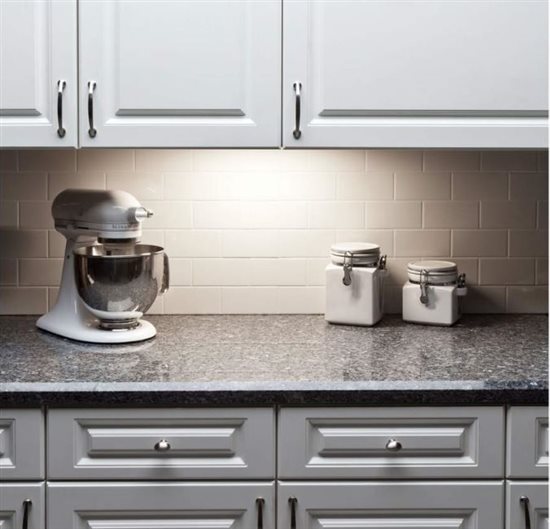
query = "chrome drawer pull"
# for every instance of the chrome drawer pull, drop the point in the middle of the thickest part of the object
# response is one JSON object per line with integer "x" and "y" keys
{"x": 26, "y": 508}
{"x": 162, "y": 446}
{"x": 292, "y": 501}
{"x": 61, "y": 84}
{"x": 524, "y": 502}
{"x": 298, "y": 90}
{"x": 91, "y": 87}
{"x": 260, "y": 502}
{"x": 393, "y": 445}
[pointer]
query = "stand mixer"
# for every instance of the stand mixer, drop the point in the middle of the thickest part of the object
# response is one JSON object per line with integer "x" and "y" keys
{"x": 109, "y": 280}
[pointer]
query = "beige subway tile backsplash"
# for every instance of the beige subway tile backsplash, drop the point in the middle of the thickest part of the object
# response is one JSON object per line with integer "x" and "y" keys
{"x": 105, "y": 160}
{"x": 423, "y": 186}
{"x": 452, "y": 160}
{"x": 527, "y": 299}
{"x": 447, "y": 214}
{"x": 9, "y": 214}
{"x": 402, "y": 214}
{"x": 250, "y": 231}
{"x": 509, "y": 160}
{"x": 479, "y": 243}
{"x": 23, "y": 186}
{"x": 508, "y": 214}
{"x": 506, "y": 271}
{"x": 480, "y": 186}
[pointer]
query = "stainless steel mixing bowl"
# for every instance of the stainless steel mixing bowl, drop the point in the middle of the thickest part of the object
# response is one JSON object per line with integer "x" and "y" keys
{"x": 119, "y": 282}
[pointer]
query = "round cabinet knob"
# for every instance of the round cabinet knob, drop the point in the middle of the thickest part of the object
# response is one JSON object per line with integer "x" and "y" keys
{"x": 162, "y": 446}
{"x": 393, "y": 445}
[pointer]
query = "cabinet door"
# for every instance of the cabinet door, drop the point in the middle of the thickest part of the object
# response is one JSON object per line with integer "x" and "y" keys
{"x": 21, "y": 445}
{"x": 527, "y": 505}
{"x": 38, "y": 51}
{"x": 180, "y": 73}
{"x": 173, "y": 505}
{"x": 382, "y": 505}
{"x": 15, "y": 499}
{"x": 527, "y": 442}
{"x": 411, "y": 73}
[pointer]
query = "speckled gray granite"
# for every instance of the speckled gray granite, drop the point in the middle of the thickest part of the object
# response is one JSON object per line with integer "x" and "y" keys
{"x": 286, "y": 360}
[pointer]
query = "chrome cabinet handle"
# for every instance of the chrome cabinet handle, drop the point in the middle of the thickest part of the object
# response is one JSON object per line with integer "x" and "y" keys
{"x": 260, "y": 502}
{"x": 524, "y": 502}
{"x": 61, "y": 84}
{"x": 393, "y": 445}
{"x": 92, "y": 132}
{"x": 162, "y": 446}
{"x": 298, "y": 90}
{"x": 26, "y": 508}
{"x": 292, "y": 502}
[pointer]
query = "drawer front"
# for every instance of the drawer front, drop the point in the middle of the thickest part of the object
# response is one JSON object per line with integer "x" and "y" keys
{"x": 175, "y": 505}
{"x": 527, "y": 500}
{"x": 15, "y": 498}
{"x": 161, "y": 444}
{"x": 527, "y": 439}
{"x": 21, "y": 444}
{"x": 391, "y": 505}
{"x": 391, "y": 443}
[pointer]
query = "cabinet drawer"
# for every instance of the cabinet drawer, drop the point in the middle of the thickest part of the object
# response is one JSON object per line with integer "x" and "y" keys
{"x": 534, "y": 504}
{"x": 527, "y": 439}
{"x": 391, "y": 443}
{"x": 14, "y": 501}
{"x": 21, "y": 444}
{"x": 391, "y": 505}
{"x": 104, "y": 505}
{"x": 161, "y": 444}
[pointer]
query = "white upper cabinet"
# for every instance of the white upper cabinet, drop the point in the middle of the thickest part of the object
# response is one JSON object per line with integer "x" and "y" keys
{"x": 38, "y": 64}
{"x": 415, "y": 73}
{"x": 185, "y": 73}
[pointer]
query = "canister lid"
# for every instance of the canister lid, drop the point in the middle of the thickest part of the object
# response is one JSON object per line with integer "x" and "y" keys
{"x": 433, "y": 272}
{"x": 361, "y": 253}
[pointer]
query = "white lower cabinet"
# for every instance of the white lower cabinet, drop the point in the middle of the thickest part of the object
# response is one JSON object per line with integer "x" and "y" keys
{"x": 22, "y": 505}
{"x": 527, "y": 505}
{"x": 161, "y": 505}
{"x": 390, "y": 505}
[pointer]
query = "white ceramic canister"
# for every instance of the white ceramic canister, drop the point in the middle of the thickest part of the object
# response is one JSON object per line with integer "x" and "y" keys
{"x": 432, "y": 293}
{"x": 354, "y": 284}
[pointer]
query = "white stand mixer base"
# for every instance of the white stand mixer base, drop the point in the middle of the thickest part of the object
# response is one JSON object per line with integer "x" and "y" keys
{"x": 88, "y": 331}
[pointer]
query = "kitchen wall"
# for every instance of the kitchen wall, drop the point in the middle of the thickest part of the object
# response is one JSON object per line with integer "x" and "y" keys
{"x": 250, "y": 231}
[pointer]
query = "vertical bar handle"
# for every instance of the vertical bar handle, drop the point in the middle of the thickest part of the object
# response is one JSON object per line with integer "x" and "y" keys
{"x": 298, "y": 91}
{"x": 292, "y": 502}
{"x": 61, "y": 84}
{"x": 260, "y": 503}
{"x": 524, "y": 502}
{"x": 26, "y": 508}
{"x": 92, "y": 132}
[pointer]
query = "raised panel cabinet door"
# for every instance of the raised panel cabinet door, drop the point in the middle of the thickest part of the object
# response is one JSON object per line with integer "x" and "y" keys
{"x": 386, "y": 505}
{"x": 411, "y": 73}
{"x": 391, "y": 443}
{"x": 180, "y": 73}
{"x": 20, "y": 502}
{"x": 21, "y": 445}
{"x": 527, "y": 505}
{"x": 174, "y": 505}
{"x": 38, "y": 81}
{"x": 527, "y": 442}
{"x": 161, "y": 444}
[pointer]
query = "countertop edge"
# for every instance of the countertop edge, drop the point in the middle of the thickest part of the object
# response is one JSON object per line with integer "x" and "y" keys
{"x": 174, "y": 395}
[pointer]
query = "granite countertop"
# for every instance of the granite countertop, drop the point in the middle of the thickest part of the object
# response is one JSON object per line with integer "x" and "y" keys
{"x": 286, "y": 360}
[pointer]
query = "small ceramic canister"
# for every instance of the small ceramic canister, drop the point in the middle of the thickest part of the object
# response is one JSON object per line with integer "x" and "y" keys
{"x": 432, "y": 293}
{"x": 354, "y": 284}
